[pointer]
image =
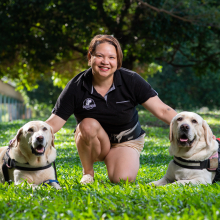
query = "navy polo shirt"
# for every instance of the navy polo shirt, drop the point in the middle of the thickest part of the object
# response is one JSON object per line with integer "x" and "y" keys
{"x": 116, "y": 111}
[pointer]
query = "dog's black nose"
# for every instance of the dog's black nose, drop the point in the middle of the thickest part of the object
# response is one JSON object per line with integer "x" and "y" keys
{"x": 184, "y": 127}
{"x": 40, "y": 138}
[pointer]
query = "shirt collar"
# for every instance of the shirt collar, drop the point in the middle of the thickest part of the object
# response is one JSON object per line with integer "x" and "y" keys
{"x": 87, "y": 79}
{"x": 117, "y": 78}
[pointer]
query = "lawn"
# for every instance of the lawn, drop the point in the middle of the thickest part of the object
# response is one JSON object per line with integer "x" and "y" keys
{"x": 102, "y": 199}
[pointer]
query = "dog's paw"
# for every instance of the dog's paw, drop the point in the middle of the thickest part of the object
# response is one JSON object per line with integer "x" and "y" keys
{"x": 33, "y": 186}
{"x": 56, "y": 185}
{"x": 152, "y": 183}
{"x": 160, "y": 182}
{"x": 53, "y": 183}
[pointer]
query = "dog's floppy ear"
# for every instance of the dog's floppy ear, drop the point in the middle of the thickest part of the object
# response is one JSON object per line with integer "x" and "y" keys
{"x": 50, "y": 151}
{"x": 15, "y": 140}
{"x": 53, "y": 137}
{"x": 207, "y": 133}
{"x": 171, "y": 131}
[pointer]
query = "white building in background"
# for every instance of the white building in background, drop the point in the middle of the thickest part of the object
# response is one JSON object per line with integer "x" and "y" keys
{"x": 12, "y": 105}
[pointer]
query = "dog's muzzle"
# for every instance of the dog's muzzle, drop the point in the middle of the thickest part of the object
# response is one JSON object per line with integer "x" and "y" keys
{"x": 39, "y": 150}
{"x": 38, "y": 147}
{"x": 184, "y": 136}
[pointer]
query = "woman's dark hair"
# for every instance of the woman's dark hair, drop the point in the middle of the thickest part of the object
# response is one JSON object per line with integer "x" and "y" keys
{"x": 99, "y": 39}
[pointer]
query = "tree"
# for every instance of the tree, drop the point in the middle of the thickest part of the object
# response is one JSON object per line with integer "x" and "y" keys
{"x": 43, "y": 98}
{"x": 50, "y": 37}
{"x": 181, "y": 89}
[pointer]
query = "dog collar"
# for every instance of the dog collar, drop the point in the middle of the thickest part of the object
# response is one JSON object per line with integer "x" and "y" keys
{"x": 11, "y": 163}
{"x": 210, "y": 164}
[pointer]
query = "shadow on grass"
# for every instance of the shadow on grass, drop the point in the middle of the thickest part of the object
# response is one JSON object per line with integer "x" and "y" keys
{"x": 216, "y": 130}
{"x": 66, "y": 135}
{"x": 68, "y": 156}
{"x": 155, "y": 160}
{"x": 13, "y": 124}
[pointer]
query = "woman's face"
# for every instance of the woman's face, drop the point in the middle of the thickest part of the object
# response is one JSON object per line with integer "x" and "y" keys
{"x": 104, "y": 61}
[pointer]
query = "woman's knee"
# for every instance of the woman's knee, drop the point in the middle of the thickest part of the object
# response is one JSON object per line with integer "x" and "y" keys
{"x": 88, "y": 128}
{"x": 116, "y": 178}
{"x": 122, "y": 164}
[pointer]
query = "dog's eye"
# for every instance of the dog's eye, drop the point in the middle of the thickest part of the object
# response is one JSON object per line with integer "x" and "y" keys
{"x": 44, "y": 129}
{"x": 30, "y": 130}
{"x": 179, "y": 119}
{"x": 194, "y": 121}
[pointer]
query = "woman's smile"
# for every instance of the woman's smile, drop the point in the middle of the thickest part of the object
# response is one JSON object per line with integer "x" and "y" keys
{"x": 104, "y": 68}
{"x": 104, "y": 61}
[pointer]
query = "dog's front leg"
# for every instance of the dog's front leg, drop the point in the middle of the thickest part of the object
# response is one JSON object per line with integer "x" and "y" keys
{"x": 20, "y": 177}
{"x": 168, "y": 177}
{"x": 163, "y": 181}
{"x": 34, "y": 186}
{"x": 193, "y": 181}
{"x": 20, "y": 181}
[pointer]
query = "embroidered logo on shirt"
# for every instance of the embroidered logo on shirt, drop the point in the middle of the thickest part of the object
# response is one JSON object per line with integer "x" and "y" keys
{"x": 89, "y": 104}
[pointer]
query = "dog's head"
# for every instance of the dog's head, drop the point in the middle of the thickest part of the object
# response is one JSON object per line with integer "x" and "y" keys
{"x": 189, "y": 134}
{"x": 34, "y": 137}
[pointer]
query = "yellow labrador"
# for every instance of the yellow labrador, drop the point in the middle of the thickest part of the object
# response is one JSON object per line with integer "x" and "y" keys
{"x": 29, "y": 155}
{"x": 194, "y": 149}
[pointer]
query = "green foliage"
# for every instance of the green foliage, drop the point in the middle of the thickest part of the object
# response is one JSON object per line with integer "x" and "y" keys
{"x": 182, "y": 89}
{"x": 50, "y": 37}
{"x": 102, "y": 199}
{"x": 43, "y": 98}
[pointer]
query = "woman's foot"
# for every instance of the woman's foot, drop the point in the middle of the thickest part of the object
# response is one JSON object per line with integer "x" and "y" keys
{"x": 87, "y": 178}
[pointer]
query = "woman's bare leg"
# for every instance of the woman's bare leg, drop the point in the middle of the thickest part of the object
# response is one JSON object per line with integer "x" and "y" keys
{"x": 122, "y": 164}
{"x": 92, "y": 143}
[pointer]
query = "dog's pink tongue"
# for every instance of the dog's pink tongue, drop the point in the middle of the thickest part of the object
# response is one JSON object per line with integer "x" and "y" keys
{"x": 39, "y": 149}
{"x": 183, "y": 140}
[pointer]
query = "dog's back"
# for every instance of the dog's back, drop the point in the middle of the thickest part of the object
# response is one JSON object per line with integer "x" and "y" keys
{"x": 3, "y": 150}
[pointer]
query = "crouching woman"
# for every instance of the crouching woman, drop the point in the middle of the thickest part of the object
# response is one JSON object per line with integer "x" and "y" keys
{"x": 103, "y": 100}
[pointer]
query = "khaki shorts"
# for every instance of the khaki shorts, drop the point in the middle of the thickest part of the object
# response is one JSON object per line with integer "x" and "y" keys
{"x": 137, "y": 144}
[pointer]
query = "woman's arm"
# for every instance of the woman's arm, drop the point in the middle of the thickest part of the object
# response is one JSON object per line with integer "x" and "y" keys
{"x": 159, "y": 109}
{"x": 55, "y": 122}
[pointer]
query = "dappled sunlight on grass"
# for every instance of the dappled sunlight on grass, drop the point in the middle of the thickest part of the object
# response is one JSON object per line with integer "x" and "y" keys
{"x": 212, "y": 121}
{"x": 67, "y": 131}
{"x": 156, "y": 142}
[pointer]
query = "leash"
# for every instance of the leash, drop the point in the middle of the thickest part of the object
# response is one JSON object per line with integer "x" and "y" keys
{"x": 217, "y": 175}
{"x": 55, "y": 170}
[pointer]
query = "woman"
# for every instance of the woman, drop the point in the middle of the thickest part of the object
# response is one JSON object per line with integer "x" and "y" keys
{"x": 103, "y": 100}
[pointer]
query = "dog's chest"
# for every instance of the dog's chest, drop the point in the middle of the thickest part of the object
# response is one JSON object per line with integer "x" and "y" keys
{"x": 189, "y": 174}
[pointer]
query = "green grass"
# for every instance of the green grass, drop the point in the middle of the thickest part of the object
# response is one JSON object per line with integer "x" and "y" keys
{"x": 104, "y": 200}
